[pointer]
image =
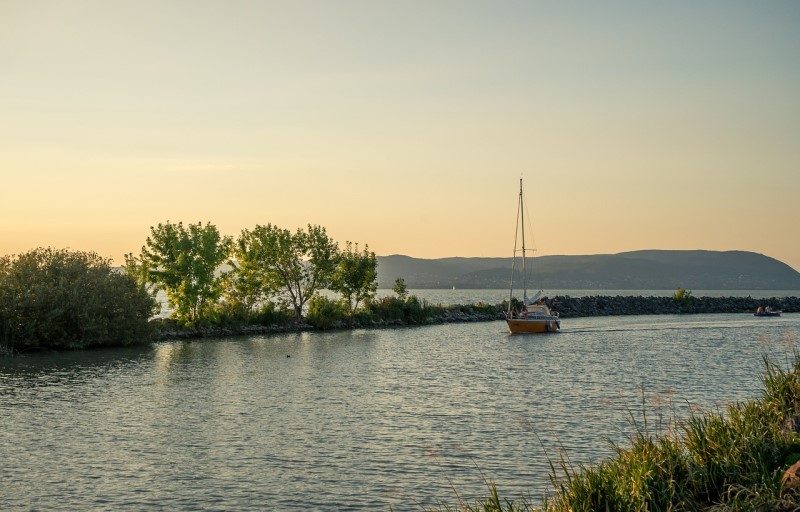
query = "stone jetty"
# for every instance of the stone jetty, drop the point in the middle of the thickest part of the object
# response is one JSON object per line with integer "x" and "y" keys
{"x": 566, "y": 306}
{"x": 599, "y": 305}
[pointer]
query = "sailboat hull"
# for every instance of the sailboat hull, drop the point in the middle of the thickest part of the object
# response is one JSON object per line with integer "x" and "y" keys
{"x": 528, "y": 326}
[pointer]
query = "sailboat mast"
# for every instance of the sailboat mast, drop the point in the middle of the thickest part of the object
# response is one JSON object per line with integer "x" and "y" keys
{"x": 513, "y": 263}
{"x": 524, "y": 273}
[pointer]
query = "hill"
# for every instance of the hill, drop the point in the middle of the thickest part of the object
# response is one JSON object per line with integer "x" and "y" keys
{"x": 635, "y": 270}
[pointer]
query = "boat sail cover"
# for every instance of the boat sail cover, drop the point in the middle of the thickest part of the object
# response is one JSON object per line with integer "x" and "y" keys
{"x": 528, "y": 301}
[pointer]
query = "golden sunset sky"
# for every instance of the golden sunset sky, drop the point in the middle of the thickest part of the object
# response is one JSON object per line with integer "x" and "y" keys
{"x": 404, "y": 125}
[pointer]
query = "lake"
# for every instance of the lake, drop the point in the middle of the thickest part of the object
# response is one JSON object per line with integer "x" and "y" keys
{"x": 355, "y": 420}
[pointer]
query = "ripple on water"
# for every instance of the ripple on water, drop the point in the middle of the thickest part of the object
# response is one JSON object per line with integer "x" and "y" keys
{"x": 357, "y": 420}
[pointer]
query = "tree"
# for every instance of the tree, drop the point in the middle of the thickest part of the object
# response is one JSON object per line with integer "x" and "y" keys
{"x": 356, "y": 276}
{"x": 57, "y": 299}
{"x": 400, "y": 288}
{"x": 248, "y": 285}
{"x": 298, "y": 264}
{"x": 183, "y": 261}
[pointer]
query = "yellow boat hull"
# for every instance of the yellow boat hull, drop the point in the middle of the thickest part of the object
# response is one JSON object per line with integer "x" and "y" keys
{"x": 519, "y": 326}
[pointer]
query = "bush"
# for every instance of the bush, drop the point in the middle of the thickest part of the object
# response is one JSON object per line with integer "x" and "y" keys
{"x": 60, "y": 299}
{"x": 325, "y": 313}
{"x": 230, "y": 313}
{"x": 417, "y": 311}
{"x": 387, "y": 309}
{"x": 271, "y": 314}
{"x": 233, "y": 313}
{"x": 682, "y": 295}
{"x": 411, "y": 310}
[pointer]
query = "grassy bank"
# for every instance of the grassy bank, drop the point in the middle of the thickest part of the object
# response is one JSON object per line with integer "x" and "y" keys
{"x": 731, "y": 461}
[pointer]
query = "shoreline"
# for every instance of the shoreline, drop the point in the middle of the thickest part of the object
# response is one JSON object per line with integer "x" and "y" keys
{"x": 568, "y": 307}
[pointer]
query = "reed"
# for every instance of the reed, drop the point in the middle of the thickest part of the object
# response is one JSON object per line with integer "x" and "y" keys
{"x": 715, "y": 461}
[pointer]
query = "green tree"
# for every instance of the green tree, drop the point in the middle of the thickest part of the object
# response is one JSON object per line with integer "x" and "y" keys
{"x": 355, "y": 276}
{"x": 183, "y": 261}
{"x": 297, "y": 264}
{"x": 400, "y": 288}
{"x": 60, "y": 299}
{"x": 248, "y": 285}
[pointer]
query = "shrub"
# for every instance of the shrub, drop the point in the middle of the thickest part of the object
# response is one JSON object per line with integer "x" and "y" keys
{"x": 60, "y": 299}
{"x": 388, "y": 309}
{"x": 325, "y": 313}
{"x": 272, "y": 314}
{"x": 417, "y": 311}
{"x": 682, "y": 295}
{"x": 234, "y": 313}
{"x": 412, "y": 310}
{"x": 231, "y": 313}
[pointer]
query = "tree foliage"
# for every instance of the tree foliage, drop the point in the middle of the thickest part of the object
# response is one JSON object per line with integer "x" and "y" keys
{"x": 400, "y": 288}
{"x": 297, "y": 264}
{"x": 248, "y": 285}
{"x": 53, "y": 299}
{"x": 355, "y": 276}
{"x": 183, "y": 261}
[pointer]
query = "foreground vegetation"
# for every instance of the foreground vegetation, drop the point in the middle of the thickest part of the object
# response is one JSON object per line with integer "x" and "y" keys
{"x": 743, "y": 459}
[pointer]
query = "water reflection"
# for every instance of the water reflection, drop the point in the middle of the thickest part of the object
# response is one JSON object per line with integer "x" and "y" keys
{"x": 55, "y": 369}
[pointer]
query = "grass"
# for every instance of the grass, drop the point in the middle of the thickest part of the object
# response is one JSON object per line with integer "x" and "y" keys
{"x": 727, "y": 461}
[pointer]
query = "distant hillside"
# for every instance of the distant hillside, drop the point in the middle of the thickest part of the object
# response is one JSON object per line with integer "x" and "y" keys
{"x": 636, "y": 270}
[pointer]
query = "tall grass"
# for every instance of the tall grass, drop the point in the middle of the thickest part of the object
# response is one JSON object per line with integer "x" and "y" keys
{"x": 727, "y": 461}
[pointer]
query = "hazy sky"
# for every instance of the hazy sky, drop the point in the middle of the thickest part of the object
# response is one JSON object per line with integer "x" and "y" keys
{"x": 404, "y": 125}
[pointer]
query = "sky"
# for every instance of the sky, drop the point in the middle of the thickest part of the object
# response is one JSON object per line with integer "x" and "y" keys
{"x": 404, "y": 125}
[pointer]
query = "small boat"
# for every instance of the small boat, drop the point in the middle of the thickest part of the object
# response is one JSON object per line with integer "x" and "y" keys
{"x": 767, "y": 311}
{"x": 534, "y": 316}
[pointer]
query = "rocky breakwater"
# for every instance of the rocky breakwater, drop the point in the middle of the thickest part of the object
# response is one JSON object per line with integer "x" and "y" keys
{"x": 566, "y": 306}
{"x": 168, "y": 329}
{"x": 599, "y": 305}
{"x": 469, "y": 313}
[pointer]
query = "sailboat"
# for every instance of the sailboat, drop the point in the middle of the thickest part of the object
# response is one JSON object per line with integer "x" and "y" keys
{"x": 534, "y": 315}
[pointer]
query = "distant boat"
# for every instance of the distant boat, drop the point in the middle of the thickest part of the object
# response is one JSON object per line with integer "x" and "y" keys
{"x": 767, "y": 311}
{"x": 532, "y": 316}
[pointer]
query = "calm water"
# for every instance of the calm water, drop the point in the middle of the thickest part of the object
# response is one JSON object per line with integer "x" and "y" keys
{"x": 356, "y": 420}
